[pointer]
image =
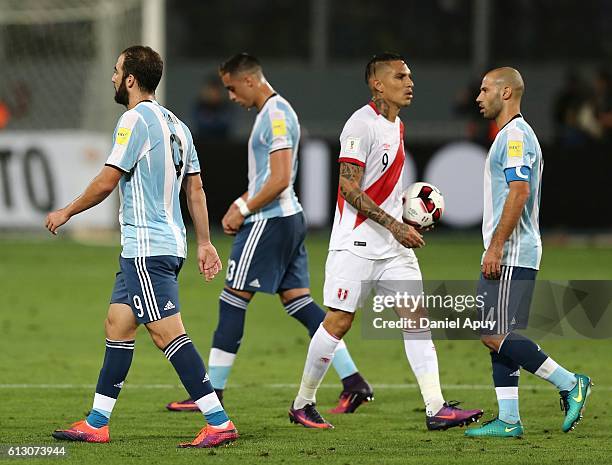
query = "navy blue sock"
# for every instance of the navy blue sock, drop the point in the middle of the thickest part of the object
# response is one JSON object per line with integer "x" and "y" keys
{"x": 227, "y": 337}
{"x": 523, "y": 351}
{"x": 230, "y": 328}
{"x": 191, "y": 370}
{"x": 306, "y": 311}
{"x": 506, "y": 374}
{"x": 189, "y": 365}
{"x": 506, "y": 371}
{"x": 117, "y": 361}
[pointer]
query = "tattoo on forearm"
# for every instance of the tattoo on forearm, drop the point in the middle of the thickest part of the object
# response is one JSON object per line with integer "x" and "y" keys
{"x": 383, "y": 107}
{"x": 357, "y": 198}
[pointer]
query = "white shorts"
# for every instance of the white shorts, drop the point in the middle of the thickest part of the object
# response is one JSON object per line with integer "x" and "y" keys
{"x": 349, "y": 279}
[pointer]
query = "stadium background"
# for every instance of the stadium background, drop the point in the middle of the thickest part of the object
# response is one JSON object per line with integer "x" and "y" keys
{"x": 56, "y": 117}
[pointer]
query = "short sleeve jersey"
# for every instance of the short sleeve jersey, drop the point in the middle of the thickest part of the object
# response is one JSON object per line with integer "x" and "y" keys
{"x": 276, "y": 128}
{"x": 155, "y": 150}
{"x": 514, "y": 156}
{"x": 372, "y": 141}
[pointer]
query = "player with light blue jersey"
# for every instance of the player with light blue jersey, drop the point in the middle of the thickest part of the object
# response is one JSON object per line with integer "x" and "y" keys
{"x": 268, "y": 253}
{"x": 276, "y": 127}
{"x": 152, "y": 158}
{"x": 514, "y": 156}
{"x": 512, "y": 190}
{"x": 155, "y": 150}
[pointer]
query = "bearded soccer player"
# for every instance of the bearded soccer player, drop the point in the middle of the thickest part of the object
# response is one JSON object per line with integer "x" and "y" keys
{"x": 268, "y": 254}
{"x": 370, "y": 245}
{"x": 513, "y": 249}
{"x": 153, "y": 156}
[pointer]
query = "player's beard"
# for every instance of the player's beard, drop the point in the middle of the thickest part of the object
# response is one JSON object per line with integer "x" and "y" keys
{"x": 121, "y": 94}
{"x": 494, "y": 109}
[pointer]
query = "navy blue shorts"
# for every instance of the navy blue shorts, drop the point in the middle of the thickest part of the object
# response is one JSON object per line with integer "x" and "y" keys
{"x": 149, "y": 285}
{"x": 269, "y": 256}
{"x": 507, "y": 300}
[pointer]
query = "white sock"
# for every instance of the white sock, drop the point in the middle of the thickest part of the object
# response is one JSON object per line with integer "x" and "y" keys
{"x": 421, "y": 354}
{"x": 320, "y": 354}
{"x": 104, "y": 404}
{"x": 508, "y": 403}
{"x": 219, "y": 366}
{"x": 555, "y": 374}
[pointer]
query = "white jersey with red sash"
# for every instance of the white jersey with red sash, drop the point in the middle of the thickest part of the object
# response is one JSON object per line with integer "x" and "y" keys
{"x": 372, "y": 141}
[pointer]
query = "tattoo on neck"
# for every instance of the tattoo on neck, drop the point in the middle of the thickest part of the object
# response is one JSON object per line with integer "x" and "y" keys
{"x": 383, "y": 107}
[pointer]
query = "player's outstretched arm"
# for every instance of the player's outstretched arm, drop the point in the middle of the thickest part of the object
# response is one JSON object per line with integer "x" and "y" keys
{"x": 513, "y": 207}
{"x": 208, "y": 259}
{"x": 350, "y": 188}
{"x": 97, "y": 190}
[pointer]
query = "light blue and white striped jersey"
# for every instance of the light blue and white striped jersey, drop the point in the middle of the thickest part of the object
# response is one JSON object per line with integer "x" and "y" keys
{"x": 515, "y": 147}
{"x": 276, "y": 127}
{"x": 155, "y": 150}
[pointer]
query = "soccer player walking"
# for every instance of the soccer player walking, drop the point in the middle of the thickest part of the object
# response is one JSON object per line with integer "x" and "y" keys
{"x": 268, "y": 254}
{"x": 370, "y": 245}
{"x": 153, "y": 156}
{"x": 513, "y": 249}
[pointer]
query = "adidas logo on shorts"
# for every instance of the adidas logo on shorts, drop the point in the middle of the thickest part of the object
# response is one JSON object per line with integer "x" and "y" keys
{"x": 169, "y": 306}
{"x": 255, "y": 283}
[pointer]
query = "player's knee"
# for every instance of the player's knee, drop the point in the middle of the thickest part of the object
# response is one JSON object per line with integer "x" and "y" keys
{"x": 245, "y": 295}
{"x": 289, "y": 295}
{"x": 338, "y": 323}
{"x": 492, "y": 342}
{"x": 117, "y": 330}
{"x": 158, "y": 340}
{"x": 164, "y": 331}
{"x": 162, "y": 339}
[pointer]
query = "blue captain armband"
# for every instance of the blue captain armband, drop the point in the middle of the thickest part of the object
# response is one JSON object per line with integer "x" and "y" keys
{"x": 519, "y": 173}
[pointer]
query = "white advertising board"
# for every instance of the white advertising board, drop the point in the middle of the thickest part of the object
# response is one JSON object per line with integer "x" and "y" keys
{"x": 44, "y": 170}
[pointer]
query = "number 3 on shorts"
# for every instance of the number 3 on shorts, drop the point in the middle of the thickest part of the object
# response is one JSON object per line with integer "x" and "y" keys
{"x": 138, "y": 306}
{"x": 231, "y": 267}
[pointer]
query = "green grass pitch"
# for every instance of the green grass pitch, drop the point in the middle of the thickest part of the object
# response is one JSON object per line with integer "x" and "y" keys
{"x": 55, "y": 294}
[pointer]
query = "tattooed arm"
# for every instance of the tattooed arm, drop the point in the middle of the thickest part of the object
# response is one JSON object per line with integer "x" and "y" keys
{"x": 350, "y": 188}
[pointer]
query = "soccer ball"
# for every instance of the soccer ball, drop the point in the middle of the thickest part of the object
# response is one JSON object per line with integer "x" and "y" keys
{"x": 423, "y": 204}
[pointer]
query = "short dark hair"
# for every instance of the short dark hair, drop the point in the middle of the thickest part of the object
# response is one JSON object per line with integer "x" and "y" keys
{"x": 145, "y": 65}
{"x": 380, "y": 58}
{"x": 239, "y": 63}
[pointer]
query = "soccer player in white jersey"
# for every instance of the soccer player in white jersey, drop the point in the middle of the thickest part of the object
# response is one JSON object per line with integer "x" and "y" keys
{"x": 513, "y": 248}
{"x": 370, "y": 243}
{"x": 268, "y": 254}
{"x": 153, "y": 156}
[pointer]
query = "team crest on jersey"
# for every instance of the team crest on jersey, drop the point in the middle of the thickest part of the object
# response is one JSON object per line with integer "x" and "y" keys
{"x": 342, "y": 293}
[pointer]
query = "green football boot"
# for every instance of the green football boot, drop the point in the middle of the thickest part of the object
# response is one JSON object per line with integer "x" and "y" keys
{"x": 496, "y": 428}
{"x": 572, "y": 402}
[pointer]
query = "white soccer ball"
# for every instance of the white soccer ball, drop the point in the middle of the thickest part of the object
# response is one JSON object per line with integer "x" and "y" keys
{"x": 423, "y": 204}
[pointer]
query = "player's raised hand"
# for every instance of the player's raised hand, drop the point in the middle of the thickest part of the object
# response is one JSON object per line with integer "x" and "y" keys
{"x": 208, "y": 261}
{"x": 56, "y": 219}
{"x": 407, "y": 235}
